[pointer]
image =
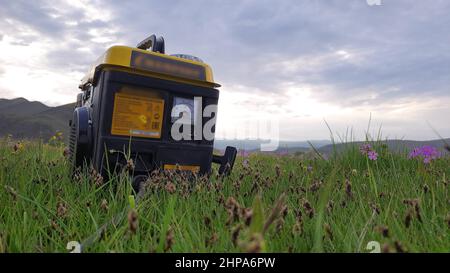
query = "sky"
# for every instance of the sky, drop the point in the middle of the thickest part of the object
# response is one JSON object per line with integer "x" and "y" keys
{"x": 296, "y": 65}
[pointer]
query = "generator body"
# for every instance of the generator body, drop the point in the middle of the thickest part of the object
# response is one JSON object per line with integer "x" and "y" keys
{"x": 125, "y": 111}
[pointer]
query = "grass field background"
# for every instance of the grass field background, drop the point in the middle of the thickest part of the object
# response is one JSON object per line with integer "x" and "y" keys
{"x": 269, "y": 204}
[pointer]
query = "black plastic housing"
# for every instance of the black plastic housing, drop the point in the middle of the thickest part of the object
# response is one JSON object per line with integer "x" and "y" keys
{"x": 108, "y": 152}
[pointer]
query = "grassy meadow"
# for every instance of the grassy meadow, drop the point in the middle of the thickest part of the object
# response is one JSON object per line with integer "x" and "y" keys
{"x": 268, "y": 204}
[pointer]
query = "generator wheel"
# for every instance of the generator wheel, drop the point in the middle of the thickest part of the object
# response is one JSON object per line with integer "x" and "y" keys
{"x": 138, "y": 183}
{"x": 80, "y": 139}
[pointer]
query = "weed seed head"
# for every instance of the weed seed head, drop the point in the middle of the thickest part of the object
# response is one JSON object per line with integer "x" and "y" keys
{"x": 170, "y": 240}
{"x": 132, "y": 221}
{"x": 170, "y": 188}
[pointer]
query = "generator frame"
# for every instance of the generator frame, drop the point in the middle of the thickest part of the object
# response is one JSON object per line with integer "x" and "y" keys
{"x": 137, "y": 75}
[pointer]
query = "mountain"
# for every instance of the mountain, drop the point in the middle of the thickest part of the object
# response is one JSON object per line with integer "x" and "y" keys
{"x": 31, "y": 119}
{"x": 395, "y": 145}
{"x": 255, "y": 144}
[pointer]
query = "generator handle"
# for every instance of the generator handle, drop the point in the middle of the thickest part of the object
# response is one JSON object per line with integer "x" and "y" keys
{"x": 157, "y": 44}
{"x": 226, "y": 160}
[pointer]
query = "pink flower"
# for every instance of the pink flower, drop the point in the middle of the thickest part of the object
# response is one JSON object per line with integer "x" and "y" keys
{"x": 365, "y": 148}
{"x": 428, "y": 153}
{"x": 372, "y": 155}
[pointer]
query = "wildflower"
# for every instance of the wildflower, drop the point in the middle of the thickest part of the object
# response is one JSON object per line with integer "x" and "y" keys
{"x": 372, "y": 155}
{"x": 427, "y": 153}
{"x": 365, "y": 148}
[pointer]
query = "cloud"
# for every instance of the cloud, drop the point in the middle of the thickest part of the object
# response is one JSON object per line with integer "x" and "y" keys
{"x": 332, "y": 58}
{"x": 396, "y": 50}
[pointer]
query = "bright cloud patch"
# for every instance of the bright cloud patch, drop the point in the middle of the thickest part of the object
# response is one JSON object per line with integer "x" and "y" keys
{"x": 299, "y": 62}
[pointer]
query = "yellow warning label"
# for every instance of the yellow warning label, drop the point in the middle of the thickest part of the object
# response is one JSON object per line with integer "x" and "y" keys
{"x": 191, "y": 168}
{"x": 137, "y": 115}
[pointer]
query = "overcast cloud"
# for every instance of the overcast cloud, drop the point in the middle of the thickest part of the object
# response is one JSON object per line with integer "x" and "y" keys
{"x": 299, "y": 62}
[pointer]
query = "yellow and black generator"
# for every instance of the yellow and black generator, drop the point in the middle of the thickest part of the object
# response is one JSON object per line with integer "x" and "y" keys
{"x": 139, "y": 103}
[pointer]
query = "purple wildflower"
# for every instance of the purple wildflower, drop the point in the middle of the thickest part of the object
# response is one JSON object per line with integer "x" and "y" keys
{"x": 414, "y": 153}
{"x": 427, "y": 153}
{"x": 372, "y": 155}
{"x": 365, "y": 148}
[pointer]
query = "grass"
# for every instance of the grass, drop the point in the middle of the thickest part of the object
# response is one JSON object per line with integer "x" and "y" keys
{"x": 269, "y": 204}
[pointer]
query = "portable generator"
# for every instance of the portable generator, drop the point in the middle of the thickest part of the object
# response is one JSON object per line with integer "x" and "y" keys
{"x": 130, "y": 105}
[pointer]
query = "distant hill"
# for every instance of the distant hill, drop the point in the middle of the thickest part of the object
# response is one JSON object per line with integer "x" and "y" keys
{"x": 31, "y": 119}
{"x": 255, "y": 144}
{"x": 395, "y": 145}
